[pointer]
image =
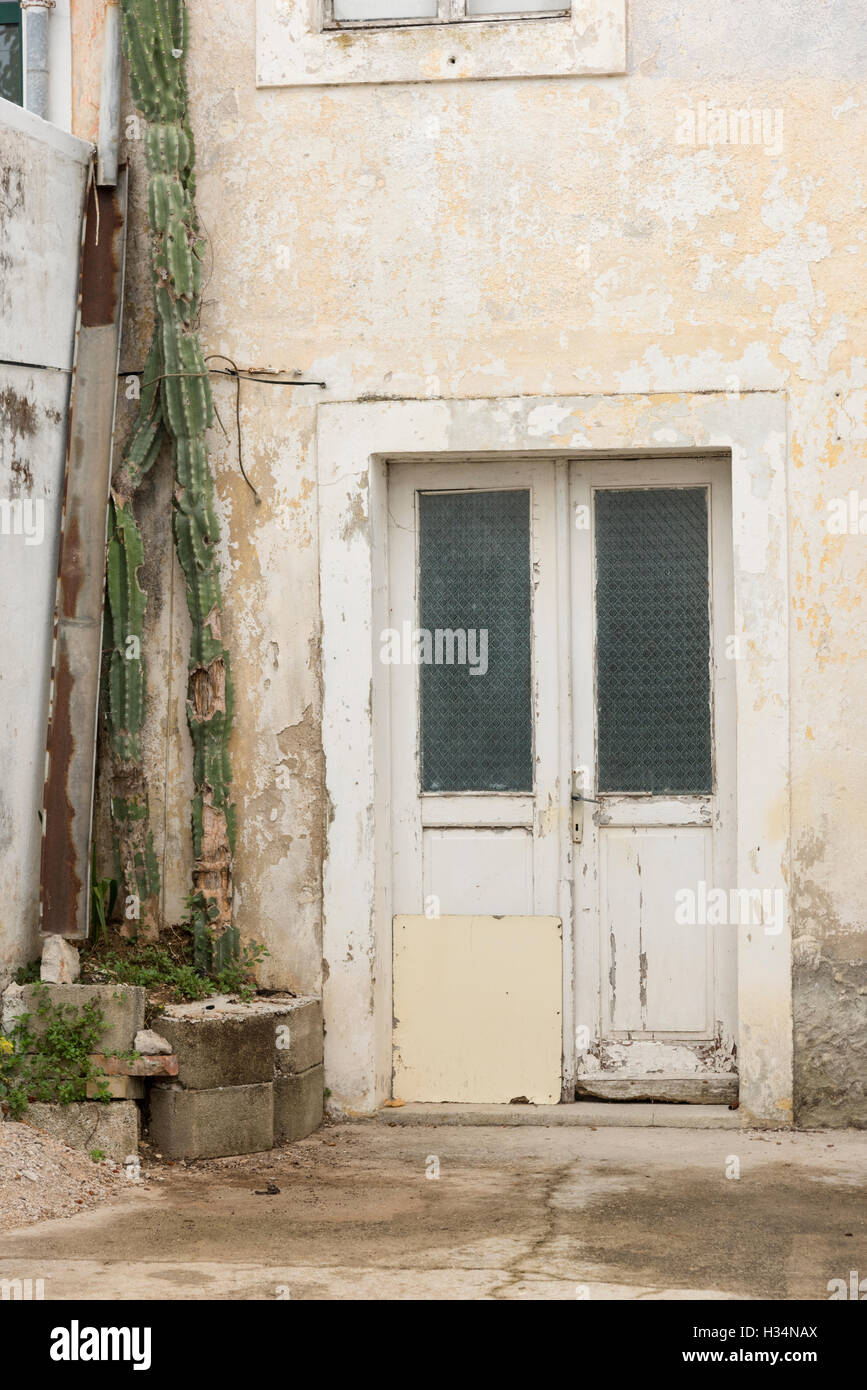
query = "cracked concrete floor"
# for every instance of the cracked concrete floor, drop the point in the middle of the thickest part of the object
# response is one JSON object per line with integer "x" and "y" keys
{"x": 514, "y": 1214}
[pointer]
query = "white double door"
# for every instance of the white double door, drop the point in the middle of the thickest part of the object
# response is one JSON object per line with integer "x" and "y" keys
{"x": 562, "y": 746}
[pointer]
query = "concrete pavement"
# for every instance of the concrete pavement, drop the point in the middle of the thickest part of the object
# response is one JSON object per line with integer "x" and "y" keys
{"x": 374, "y": 1211}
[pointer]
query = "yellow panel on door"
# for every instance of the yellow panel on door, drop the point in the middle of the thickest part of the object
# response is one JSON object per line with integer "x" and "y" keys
{"x": 478, "y": 1008}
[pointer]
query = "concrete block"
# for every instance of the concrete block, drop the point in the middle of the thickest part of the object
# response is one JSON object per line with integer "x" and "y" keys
{"x": 60, "y": 964}
{"x": 122, "y": 1005}
{"x": 298, "y": 1104}
{"x": 298, "y": 1036}
{"x": 90, "y": 1124}
{"x": 219, "y": 1049}
{"x": 117, "y": 1087}
{"x": 213, "y": 1123}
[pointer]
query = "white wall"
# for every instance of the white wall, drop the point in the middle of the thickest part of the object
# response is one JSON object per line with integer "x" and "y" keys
{"x": 43, "y": 173}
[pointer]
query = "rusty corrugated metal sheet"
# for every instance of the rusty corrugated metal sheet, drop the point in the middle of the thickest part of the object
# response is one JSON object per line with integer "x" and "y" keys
{"x": 71, "y": 745}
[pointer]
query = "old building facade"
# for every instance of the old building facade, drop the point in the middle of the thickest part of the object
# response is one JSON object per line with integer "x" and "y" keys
{"x": 562, "y": 319}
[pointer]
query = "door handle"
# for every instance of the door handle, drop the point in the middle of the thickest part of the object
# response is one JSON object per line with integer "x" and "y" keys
{"x": 578, "y": 800}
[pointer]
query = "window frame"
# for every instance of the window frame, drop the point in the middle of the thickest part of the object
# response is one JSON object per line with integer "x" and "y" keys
{"x": 448, "y": 12}
{"x": 294, "y": 48}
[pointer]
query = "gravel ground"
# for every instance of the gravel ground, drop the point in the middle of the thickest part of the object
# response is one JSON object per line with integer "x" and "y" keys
{"x": 41, "y": 1179}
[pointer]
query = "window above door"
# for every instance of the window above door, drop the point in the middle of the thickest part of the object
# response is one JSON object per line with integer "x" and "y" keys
{"x": 314, "y": 43}
{"x": 346, "y": 14}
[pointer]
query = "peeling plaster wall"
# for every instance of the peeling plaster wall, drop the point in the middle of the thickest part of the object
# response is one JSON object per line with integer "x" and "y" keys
{"x": 534, "y": 238}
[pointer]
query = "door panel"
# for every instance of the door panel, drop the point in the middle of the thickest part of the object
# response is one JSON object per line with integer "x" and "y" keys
{"x": 653, "y": 741}
{"x": 658, "y": 972}
{"x": 478, "y": 862}
{"x": 477, "y": 871}
{"x": 473, "y": 1011}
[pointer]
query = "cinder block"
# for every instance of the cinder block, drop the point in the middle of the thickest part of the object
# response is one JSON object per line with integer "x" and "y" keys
{"x": 221, "y": 1049}
{"x": 118, "y": 1087}
{"x": 298, "y": 1104}
{"x": 211, "y": 1124}
{"x": 298, "y": 1036}
{"x": 122, "y": 1005}
{"x": 90, "y": 1124}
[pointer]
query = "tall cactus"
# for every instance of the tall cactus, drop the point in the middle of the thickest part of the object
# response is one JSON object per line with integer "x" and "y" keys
{"x": 126, "y": 691}
{"x": 176, "y": 405}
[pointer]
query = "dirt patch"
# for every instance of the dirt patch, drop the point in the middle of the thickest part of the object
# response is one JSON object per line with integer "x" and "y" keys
{"x": 41, "y": 1179}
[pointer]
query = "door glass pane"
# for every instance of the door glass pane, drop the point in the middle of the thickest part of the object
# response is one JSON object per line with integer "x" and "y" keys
{"x": 10, "y": 62}
{"x": 385, "y": 9}
{"x": 474, "y": 641}
{"x": 653, "y": 640}
{"x": 512, "y": 6}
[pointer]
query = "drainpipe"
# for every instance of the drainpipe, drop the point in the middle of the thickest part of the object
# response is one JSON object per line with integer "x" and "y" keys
{"x": 35, "y": 15}
{"x": 108, "y": 140}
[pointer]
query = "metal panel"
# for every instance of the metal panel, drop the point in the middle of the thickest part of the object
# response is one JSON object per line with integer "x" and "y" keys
{"x": 477, "y": 1004}
{"x": 71, "y": 750}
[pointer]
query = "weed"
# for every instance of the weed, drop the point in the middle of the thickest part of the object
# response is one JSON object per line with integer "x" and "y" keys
{"x": 103, "y": 895}
{"x": 52, "y": 1064}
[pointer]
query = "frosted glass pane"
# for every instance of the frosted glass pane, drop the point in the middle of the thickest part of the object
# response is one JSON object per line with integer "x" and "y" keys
{"x": 474, "y": 606}
{"x": 385, "y": 9}
{"x": 512, "y": 6}
{"x": 653, "y": 641}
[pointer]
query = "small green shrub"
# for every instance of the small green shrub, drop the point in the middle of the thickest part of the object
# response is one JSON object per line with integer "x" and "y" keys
{"x": 28, "y": 974}
{"x": 53, "y": 1065}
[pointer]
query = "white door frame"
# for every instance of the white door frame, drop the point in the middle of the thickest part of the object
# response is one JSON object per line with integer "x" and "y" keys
{"x": 355, "y": 441}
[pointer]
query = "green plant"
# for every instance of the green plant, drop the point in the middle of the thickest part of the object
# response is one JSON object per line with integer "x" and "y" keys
{"x": 97, "y": 1155}
{"x": 29, "y": 973}
{"x": 175, "y": 407}
{"x": 179, "y": 968}
{"x": 54, "y": 1062}
{"x": 103, "y": 895}
{"x": 153, "y": 968}
{"x": 125, "y": 700}
{"x": 237, "y": 977}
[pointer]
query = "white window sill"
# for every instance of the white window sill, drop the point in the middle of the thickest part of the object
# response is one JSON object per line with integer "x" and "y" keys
{"x": 293, "y": 50}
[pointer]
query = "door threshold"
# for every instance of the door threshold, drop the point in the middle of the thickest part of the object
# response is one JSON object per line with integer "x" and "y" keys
{"x": 588, "y": 1114}
{"x": 720, "y": 1088}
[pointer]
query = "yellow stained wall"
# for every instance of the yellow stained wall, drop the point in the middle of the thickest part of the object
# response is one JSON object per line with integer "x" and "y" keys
{"x": 528, "y": 237}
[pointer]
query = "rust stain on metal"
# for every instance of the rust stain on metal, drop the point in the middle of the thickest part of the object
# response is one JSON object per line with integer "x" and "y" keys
{"x": 99, "y": 277}
{"x": 68, "y": 792}
{"x": 72, "y": 568}
{"x": 61, "y": 883}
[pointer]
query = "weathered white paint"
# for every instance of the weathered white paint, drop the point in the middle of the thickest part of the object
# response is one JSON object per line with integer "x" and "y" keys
{"x": 354, "y": 441}
{"x": 45, "y": 170}
{"x": 639, "y": 971}
{"x": 294, "y": 50}
{"x": 44, "y": 176}
{"x": 60, "y": 65}
{"x": 472, "y": 1008}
